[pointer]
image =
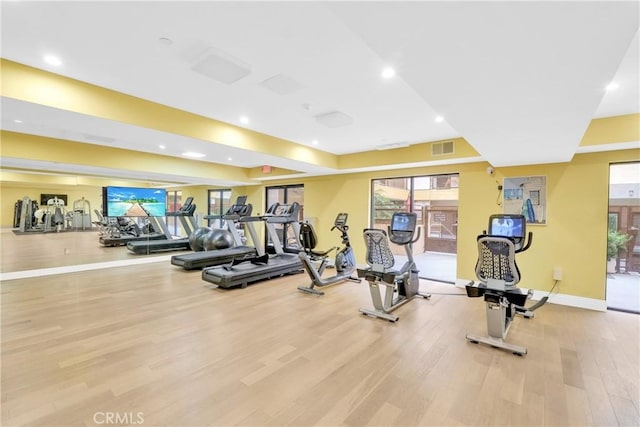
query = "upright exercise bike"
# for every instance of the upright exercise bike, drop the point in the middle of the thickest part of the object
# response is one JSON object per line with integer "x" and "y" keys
{"x": 404, "y": 282}
{"x": 499, "y": 275}
{"x": 345, "y": 260}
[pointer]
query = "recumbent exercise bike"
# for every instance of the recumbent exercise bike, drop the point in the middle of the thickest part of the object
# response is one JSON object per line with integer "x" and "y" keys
{"x": 498, "y": 274}
{"x": 345, "y": 260}
{"x": 405, "y": 281}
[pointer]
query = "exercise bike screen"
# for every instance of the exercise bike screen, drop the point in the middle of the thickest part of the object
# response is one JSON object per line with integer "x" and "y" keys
{"x": 507, "y": 226}
{"x": 403, "y": 222}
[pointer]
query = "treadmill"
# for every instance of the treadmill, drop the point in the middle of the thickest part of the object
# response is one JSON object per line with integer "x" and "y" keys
{"x": 238, "y": 213}
{"x": 123, "y": 239}
{"x": 280, "y": 264}
{"x": 185, "y": 214}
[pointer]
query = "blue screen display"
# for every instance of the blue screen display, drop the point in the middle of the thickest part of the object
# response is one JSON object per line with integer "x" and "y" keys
{"x": 134, "y": 202}
{"x": 508, "y": 226}
{"x": 403, "y": 221}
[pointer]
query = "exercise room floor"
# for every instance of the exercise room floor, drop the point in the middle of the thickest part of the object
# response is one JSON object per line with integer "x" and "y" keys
{"x": 151, "y": 341}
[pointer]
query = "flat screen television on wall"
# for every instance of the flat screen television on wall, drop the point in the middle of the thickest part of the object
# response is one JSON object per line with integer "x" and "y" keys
{"x": 44, "y": 199}
{"x": 134, "y": 202}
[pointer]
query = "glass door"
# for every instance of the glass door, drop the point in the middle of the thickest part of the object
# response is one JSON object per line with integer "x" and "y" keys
{"x": 434, "y": 199}
{"x": 219, "y": 203}
{"x": 174, "y": 203}
{"x": 623, "y": 247}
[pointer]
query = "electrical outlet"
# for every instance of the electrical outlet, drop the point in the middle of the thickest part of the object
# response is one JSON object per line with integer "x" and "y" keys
{"x": 557, "y": 274}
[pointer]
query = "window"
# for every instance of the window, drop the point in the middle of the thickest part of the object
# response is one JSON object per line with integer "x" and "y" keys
{"x": 434, "y": 199}
{"x": 219, "y": 203}
{"x": 174, "y": 202}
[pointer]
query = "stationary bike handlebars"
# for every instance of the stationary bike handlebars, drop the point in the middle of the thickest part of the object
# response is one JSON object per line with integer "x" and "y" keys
{"x": 529, "y": 241}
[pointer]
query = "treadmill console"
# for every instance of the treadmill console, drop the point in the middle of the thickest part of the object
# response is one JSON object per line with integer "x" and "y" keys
{"x": 278, "y": 213}
{"x": 341, "y": 220}
{"x": 240, "y": 207}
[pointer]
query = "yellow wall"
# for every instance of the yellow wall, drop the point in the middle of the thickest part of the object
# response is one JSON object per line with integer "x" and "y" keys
{"x": 41, "y": 87}
{"x": 573, "y": 239}
{"x": 9, "y": 194}
{"x": 25, "y": 146}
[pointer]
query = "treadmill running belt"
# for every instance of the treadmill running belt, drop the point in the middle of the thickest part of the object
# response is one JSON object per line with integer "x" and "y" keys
{"x": 204, "y": 259}
{"x": 243, "y": 274}
{"x": 144, "y": 247}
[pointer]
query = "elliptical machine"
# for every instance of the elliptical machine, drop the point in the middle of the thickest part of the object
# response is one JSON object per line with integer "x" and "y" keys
{"x": 345, "y": 261}
{"x": 498, "y": 274}
{"x": 404, "y": 282}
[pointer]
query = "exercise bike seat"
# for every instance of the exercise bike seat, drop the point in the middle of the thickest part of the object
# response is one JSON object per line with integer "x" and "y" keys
{"x": 379, "y": 257}
{"x": 514, "y": 296}
{"x": 497, "y": 270}
{"x": 309, "y": 240}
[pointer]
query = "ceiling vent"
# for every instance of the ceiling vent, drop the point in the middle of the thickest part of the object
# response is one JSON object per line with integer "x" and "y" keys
{"x": 334, "y": 119}
{"x": 442, "y": 148}
{"x": 220, "y": 66}
{"x": 281, "y": 84}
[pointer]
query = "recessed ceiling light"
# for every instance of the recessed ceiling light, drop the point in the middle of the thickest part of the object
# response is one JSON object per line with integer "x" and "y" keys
{"x": 244, "y": 120}
{"x": 193, "y": 154}
{"x": 229, "y": 159}
{"x": 165, "y": 41}
{"x": 388, "y": 72}
{"x": 17, "y": 121}
{"x": 52, "y": 60}
{"x": 314, "y": 142}
{"x": 439, "y": 119}
{"x": 162, "y": 147}
{"x": 612, "y": 86}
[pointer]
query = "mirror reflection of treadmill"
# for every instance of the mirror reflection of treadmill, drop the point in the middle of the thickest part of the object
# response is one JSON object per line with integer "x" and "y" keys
{"x": 185, "y": 215}
{"x": 280, "y": 264}
{"x": 239, "y": 212}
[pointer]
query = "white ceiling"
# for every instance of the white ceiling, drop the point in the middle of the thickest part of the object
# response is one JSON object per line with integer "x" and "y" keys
{"x": 520, "y": 81}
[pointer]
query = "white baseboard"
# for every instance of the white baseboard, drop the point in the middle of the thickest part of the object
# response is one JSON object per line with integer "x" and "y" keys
{"x": 560, "y": 299}
{"x": 83, "y": 267}
{"x": 572, "y": 301}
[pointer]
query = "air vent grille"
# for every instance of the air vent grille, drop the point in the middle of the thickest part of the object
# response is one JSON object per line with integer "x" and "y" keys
{"x": 221, "y": 66}
{"x": 334, "y": 119}
{"x": 442, "y": 148}
{"x": 281, "y": 84}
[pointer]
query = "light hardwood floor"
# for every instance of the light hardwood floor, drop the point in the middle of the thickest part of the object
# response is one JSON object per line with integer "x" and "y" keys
{"x": 151, "y": 343}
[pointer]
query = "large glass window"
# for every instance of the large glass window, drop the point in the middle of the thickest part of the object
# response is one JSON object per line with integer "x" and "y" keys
{"x": 623, "y": 244}
{"x": 219, "y": 203}
{"x": 174, "y": 202}
{"x": 434, "y": 199}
